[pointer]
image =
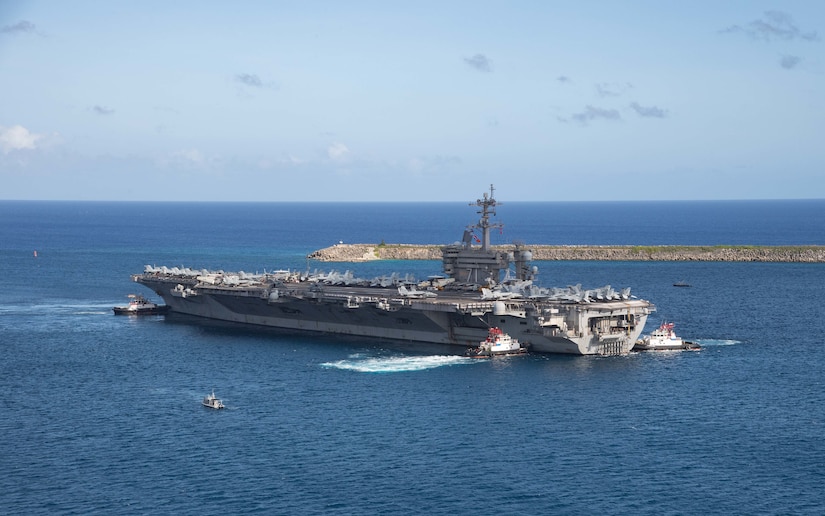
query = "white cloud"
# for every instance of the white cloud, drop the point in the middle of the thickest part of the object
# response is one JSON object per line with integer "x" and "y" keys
{"x": 608, "y": 89}
{"x": 193, "y": 156}
{"x": 17, "y": 137}
{"x": 338, "y": 152}
{"x": 432, "y": 164}
{"x": 186, "y": 159}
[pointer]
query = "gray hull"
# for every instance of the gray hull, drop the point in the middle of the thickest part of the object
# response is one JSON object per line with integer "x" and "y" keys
{"x": 453, "y": 318}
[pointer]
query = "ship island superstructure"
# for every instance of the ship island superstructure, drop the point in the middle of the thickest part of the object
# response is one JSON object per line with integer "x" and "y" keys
{"x": 477, "y": 291}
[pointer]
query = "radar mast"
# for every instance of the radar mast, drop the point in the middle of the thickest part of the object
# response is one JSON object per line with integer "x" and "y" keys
{"x": 488, "y": 207}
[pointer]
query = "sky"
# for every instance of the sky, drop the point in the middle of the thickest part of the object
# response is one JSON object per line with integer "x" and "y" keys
{"x": 412, "y": 101}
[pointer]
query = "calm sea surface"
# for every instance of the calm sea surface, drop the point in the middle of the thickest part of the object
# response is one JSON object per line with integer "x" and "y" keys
{"x": 102, "y": 414}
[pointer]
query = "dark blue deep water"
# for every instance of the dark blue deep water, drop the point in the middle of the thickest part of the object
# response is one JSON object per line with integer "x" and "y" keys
{"x": 102, "y": 414}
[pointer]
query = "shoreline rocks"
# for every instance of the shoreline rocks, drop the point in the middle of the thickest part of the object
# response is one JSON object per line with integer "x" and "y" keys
{"x": 786, "y": 254}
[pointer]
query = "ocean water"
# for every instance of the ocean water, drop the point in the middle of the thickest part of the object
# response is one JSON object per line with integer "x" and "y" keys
{"x": 102, "y": 414}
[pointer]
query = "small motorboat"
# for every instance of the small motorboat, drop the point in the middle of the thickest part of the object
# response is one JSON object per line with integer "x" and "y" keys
{"x": 664, "y": 338}
{"x": 211, "y": 401}
{"x": 497, "y": 344}
{"x": 139, "y": 305}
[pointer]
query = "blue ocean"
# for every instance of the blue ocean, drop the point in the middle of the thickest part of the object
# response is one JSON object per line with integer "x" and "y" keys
{"x": 102, "y": 414}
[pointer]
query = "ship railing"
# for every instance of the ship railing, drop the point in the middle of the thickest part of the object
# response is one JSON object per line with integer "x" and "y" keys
{"x": 475, "y": 308}
{"x": 235, "y": 290}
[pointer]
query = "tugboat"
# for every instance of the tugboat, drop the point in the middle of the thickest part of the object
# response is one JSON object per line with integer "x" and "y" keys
{"x": 664, "y": 339}
{"x": 497, "y": 344}
{"x": 211, "y": 401}
{"x": 139, "y": 305}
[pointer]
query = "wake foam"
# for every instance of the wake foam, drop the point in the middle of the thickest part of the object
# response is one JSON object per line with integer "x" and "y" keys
{"x": 57, "y": 309}
{"x": 717, "y": 342}
{"x": 395, "y": 364}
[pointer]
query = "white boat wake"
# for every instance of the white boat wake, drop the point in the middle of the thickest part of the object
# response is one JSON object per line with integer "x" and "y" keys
{"x": 396, "y": 364}
{"x": 717, "y": 342}
{"x": 70, "y": 308}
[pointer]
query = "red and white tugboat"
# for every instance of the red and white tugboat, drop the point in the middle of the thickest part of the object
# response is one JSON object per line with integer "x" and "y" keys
{"x": 497, "y": 344}
{"x": 664, "y": 339}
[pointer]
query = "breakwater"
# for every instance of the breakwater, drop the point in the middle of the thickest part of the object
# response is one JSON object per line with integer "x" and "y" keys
{"x": 798, "y": 254}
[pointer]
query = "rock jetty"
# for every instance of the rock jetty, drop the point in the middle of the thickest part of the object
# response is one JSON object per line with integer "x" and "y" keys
{"x": 792, "y": 254}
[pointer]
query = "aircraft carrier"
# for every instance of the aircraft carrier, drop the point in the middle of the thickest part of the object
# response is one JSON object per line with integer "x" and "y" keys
{"x": 478, "y": 290}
